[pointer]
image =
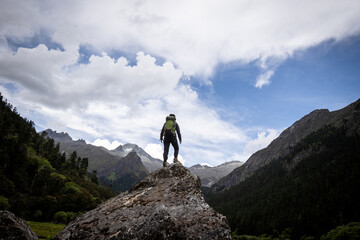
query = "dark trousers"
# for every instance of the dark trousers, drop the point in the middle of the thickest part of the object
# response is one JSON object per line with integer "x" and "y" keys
{"x": 174, "y": 143}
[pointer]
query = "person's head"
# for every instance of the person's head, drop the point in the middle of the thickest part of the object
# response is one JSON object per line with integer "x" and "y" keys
{"x": 171, "y": 117}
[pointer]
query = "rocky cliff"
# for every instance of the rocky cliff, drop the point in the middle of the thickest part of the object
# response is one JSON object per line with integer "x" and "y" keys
{"x": 289, "y": 138}
{"x": 167, "y": 204}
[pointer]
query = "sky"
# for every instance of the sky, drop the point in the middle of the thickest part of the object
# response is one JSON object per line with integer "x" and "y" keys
{"x": 235, "y": 73}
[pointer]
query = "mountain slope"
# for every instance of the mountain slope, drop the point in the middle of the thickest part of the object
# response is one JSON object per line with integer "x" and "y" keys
{"x": 99, "y": 157}
{"x": 121, "y": 171}
{"x": 121, "y": 176}
{"x": 110, "y": 163}
{"x": 151, "y": 164}
{"x": 210, "y": 175}
{"x": 311, "y": 189}
{"x": 36, "y": 180}
{"x": 286, "y": 141}
{"x": 310, "y": 196}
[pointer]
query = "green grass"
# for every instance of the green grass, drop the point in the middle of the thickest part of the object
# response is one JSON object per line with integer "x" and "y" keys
{"x": 45, "y": 230}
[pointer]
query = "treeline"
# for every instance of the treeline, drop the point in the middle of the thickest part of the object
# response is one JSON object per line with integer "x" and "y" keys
{"x": 350, "y": 231}
{"x": 309, "y": 198}
{"x": 37, "y": 182}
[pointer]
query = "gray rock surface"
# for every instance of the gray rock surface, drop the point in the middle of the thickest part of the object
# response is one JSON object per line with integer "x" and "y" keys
{"x": 12, "y": 227}
{"x": 167, "y": 204}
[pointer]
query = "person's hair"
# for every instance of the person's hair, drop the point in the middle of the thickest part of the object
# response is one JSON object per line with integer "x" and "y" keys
{"x": 171, "y": 114}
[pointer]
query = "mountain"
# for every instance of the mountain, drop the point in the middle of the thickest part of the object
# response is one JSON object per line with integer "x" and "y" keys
{"x": 37, "y": 181}
{"x": 167, "y": 204}
{"x": 124, "y": 174}
{"x": 99, "y": 157}
{"x": 109, "y": 163}
{"x": 210, "y": 175}
{"x": 59, "y": 137}
{"x": 121, "y": 170}
{"x": 286, "y": 141}
{"x": 309, "y": 188}
{"x": 151, "y": 164}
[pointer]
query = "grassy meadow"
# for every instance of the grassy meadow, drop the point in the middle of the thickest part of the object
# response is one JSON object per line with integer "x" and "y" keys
{"x": 45, "y": 230}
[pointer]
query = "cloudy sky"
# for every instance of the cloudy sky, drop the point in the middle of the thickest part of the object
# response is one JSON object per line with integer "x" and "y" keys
{"x": 235, "y": 73}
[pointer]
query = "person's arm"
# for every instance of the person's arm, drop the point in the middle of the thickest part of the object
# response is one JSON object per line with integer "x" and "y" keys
{"x": 162, "y": 133}
{"x": 178, "y": 132}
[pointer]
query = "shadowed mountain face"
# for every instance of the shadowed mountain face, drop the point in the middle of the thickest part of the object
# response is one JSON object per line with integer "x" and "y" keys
{"x": 125, "y": 173}
{"x": 167, "y": 204}
{"x": 282, "y": 145}
{"x": 121, "y": 170}
{"x": 309, "y": 188}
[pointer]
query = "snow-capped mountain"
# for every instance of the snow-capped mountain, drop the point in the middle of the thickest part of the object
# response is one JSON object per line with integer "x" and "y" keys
{"x": 151, "y": 164}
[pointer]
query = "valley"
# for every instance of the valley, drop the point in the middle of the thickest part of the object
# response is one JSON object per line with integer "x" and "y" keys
{"x": 302, "y": 185}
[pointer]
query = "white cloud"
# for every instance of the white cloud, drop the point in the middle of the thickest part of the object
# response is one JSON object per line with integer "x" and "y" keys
{"x": 195, "y": 36}
{"x": 155, "y": 150}
{"x": 106, "y": 143}
{"x": 107, "y": 98}
{"x": 264, "y": 138}
{"x": 110, "y": 98}
{"x": 264, "y": 79}
{"x": 54, "y": 78}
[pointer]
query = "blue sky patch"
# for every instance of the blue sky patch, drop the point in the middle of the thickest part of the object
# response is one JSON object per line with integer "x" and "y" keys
{"x": 41, "y": 37}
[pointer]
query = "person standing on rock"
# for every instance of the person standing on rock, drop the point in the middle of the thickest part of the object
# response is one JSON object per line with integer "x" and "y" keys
{"x": 168, "y": 135}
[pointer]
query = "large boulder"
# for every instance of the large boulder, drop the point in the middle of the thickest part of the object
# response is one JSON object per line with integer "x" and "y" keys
{"x": 167, "y": 204}
{"x": 12, "y": 227}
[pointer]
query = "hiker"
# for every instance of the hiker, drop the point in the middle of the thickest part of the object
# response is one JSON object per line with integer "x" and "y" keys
{"x": 169, "y": 130}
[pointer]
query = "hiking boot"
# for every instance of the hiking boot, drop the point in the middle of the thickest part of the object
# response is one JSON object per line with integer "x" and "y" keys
{"x": 176, "y": 160}
{"x": 164, "y": 164}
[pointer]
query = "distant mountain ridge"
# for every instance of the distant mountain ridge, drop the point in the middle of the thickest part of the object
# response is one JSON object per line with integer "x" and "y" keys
{"x": 210, "y": 175}
{"x": 110, "y": 164}
{"x": 151, "y": 164}
{"x": 120, "y": 169}
{"x": 59, "y": 137}
{"x": 285, "y": 142}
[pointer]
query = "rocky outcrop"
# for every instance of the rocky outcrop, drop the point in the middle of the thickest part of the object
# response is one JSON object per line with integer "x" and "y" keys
{"x": 167, "y": 204}
{"x": 12, "y": 227}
